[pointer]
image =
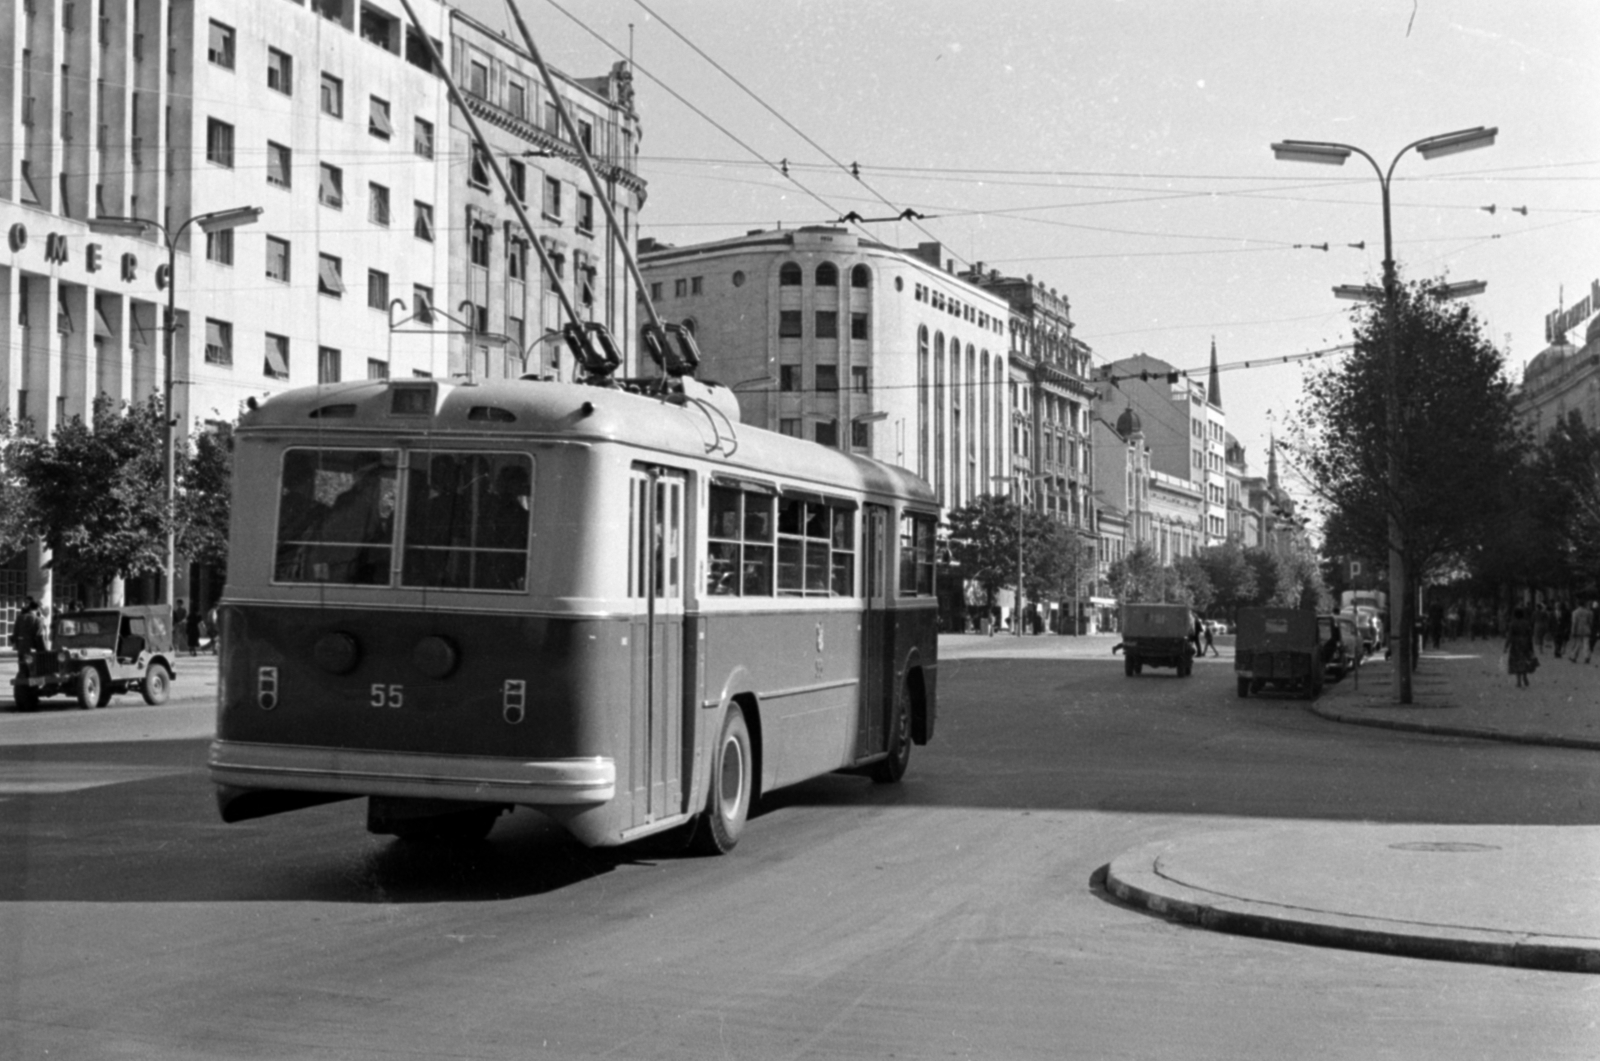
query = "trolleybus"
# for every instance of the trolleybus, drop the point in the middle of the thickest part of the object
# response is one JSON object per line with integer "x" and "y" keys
{"x": 625, "y": 610}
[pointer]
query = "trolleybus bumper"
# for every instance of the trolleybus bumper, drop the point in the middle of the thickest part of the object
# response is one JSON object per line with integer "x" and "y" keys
{"x": 240, "y": 768}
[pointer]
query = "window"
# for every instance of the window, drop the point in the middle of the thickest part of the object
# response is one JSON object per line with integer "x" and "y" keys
{"x": 516, "y": 259}
{"x": 478, "y": 79}
{"x": 860, "y": 276}
{"x": 827, "y": 275}
{"x": 816, "y": 547}
{"x": 277, "y": 259}
{"x": 789, "y": 426}
{"x": 377, "y": 289}
{"x": 789, "y": 275}
{"x": 377, "y": 369}
{"x": 827, "y": 324}
{"x": 422, "y": 141}
{"x": 422, "y": 304}
{"x": 219, "y": 246}
{"x": 332, "y": 96}
{"x": 380, "y": 29}
{"x": 789, "y": 324}
{"x": 417, "y": 53}
{"x": 517, "y": 99}
{"x": 333, "y": 10}
{"x": 467, "y": 524}
{"x": 740, "y": 546}
{"x": 422, "y": 228}
{"x": 858, "y": 326}
{"x": 789, "y": 377}
{"x": 280, "y": 72}
{"x": 219, "y": 342}
{"x": 330, "y": 278}
{"x": 378, "y": 204}
{"x": 478, "y": 167}
{"x": 586, "y": 134}
{"x": 860, "y": 379}
{"x": 860, "y": 434}
{"x": 336, "y": 516}
{"x": 680, "y": 287}
{"x": 916, "y": 555}
{"x": 655, "y": 291}
{"x": 219, "y": 143}
{"x": 696, "y": 284}
{"x": 378, "y": 118}
{"x": 827, "y": 378}
{"x": 552, "y": 198}
{"x": 219, "y": 49}
{"x": 278, "y": 161}
{"x": 827, "y": 433}
{"x": 478, "y": 245}
{"x": 585, "y": 212}
{"x": 327, "y": 364}
{"x": 517, "y": 177}
{"x": 330, "y": 189}
{"x": 277, "y": 364}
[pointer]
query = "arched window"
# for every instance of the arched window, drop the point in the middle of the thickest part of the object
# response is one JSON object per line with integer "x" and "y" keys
{"x": 861, "y": 276}
{"x": 827, "y": 275}
{"x": 969, "y": 445}
{"x": 924, "y": 399}
{"x": 985, "y": 468}
{"x": 789, "y": 275}
{"x": 957, "y": 394}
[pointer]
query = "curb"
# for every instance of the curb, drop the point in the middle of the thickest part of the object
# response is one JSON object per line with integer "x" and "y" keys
{"x": 1555, "y": 740}
{"x": 1135, "y": 879}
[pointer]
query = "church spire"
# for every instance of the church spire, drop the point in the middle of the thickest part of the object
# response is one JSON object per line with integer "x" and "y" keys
{"x": 1214, "y": 385}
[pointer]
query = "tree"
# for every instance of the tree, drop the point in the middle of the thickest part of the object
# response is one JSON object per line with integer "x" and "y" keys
{"x": 1139, "y": 577}
{"x": 1231, "y": 575}
{"x": 983, "y": 538}
{"x": 1436, "y": 471}
{"x": 16, "y": 502}
{"x": 204, "y": 503}
{"x": 98, "y": 493}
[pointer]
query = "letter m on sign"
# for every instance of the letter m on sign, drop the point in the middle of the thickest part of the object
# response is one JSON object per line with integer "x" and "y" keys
{"x": 55, "y": 248}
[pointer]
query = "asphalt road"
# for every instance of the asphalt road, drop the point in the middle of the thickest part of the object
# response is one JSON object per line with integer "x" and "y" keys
{"x": 950, "y": 916}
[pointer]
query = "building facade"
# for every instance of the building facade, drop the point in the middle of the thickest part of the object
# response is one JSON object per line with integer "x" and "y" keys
{"x": 326, "y": 117}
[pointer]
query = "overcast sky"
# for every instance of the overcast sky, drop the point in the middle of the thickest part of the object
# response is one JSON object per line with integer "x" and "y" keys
{"x": 1119, "y": 151}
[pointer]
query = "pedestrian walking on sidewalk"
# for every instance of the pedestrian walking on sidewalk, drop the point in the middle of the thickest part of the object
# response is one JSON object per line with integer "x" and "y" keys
{"x": 1541, "y": 626}
{"x": 1520, "y": 657}
{"x": 1582, "y": 620}
{"x": 1211, "y": 644}
{"x": 180, "y": 628}
{"x": 1563, "y": 628}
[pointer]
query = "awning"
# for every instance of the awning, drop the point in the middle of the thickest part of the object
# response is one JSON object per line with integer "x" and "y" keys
{"x": 380, "y": 119}
{"x": 63, "y": 318}
{"x": 102, "y": 327}
{"x": 214, "y": 334}
{"x": 277, "y": 364}
{"x": 332, "y": 194}
{"x": 328, "y": 272}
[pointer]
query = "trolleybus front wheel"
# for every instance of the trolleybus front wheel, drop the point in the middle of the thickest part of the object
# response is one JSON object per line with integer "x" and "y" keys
{"x": 731, "y": 779}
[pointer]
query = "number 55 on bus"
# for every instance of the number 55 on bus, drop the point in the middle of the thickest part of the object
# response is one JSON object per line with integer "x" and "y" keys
{"x": 621, "y": 609}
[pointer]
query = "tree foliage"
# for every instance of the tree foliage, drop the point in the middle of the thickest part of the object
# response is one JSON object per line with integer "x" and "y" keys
{"x": 16, "y": 501}
{"x": 983, "y": 540}
{"x": 204, "y": 502}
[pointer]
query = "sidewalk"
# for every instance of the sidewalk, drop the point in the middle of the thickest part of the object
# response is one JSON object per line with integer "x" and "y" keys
{"x": 1526, "y": 896}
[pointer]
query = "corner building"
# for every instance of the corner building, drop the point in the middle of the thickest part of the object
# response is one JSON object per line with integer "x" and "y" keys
{"x": 326, "y": 115}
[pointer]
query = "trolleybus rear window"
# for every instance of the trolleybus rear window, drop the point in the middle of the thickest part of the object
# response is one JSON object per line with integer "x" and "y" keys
{"x": 466, "y": 522}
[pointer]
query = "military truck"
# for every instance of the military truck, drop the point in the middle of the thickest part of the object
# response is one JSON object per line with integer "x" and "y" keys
{"x": 97, "y": 653}
{"x": 1157, "y": 635}
{"x": 1279, "y": 648}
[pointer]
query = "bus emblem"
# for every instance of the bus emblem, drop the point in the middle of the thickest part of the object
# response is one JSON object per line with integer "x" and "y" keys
{"x": 267, "y": 688}
{"x": 514, "y": 701}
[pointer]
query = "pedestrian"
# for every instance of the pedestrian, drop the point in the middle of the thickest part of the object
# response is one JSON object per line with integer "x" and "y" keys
{"x": 1211, "y": 645}
{"x": 1582, "y": 620}
{"x": 211, "y": 631}
{"x": 1520, "y": 658}
{"x": 1541, "y": 626}
{"x": 191, "y": 630}
{"x": 180, "y": 628}
{"x": 1563, "y": 628}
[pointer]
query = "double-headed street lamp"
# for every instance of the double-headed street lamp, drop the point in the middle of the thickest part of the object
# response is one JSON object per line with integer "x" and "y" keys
{"x": 216, "y": 221}
{"x": 1334, "y": 154}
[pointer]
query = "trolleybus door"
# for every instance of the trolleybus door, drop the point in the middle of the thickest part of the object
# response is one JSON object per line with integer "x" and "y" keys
{"x": 876, "y": 702}
{"x": 656, "y": 578}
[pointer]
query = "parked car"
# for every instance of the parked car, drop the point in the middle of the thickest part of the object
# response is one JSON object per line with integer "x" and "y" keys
{"x": 1280, "y": 648}
{"x": 1157, "y": 635}
{"x": 96, "y": 654}
{"x": 1341, "y": 645}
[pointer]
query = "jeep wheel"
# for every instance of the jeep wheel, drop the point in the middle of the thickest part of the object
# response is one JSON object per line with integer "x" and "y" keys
{"x": 93, "y": 689}
{"x": 157, "y": 684}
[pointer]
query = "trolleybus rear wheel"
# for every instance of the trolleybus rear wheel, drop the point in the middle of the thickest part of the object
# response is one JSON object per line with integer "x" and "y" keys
{"x": 888, "y": 771}
{"x": 729, "y": 803}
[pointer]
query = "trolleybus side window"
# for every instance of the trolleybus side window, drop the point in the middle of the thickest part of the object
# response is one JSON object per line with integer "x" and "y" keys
{"x": 336, "y": 516}
{"x": 467, "y": 520}
{"x": 916, "y": 555}
{"x": 656, "y": 509}
{"x": 816, "y": 547}
{"x": 740, "y": 541}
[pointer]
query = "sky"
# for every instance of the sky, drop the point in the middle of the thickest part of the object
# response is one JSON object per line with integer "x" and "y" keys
{"x": 1119, "y": 152}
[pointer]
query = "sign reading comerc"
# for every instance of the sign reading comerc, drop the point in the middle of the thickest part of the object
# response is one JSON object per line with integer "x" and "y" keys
{"x": 56, "y": 252}
{"x": 1558, "y": 322}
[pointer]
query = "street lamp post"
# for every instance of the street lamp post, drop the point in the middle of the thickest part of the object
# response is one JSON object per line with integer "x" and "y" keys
{"x": 215, "y": 221}
{"x": 1014, "y": 478}
{"x": 1334, "y": 154}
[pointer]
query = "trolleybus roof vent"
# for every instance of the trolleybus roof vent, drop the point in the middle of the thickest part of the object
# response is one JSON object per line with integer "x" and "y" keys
{"x": 343, "y": 410}
{"x": 491, "y": 412}
{"x": 419, "y": 398}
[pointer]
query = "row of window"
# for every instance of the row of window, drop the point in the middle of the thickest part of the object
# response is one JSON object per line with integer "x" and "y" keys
{"x": 219, "y": 350}
{"x": 955, "y": 307}
{"x": 825, "y": 324}
{"x": 682, "y": 287}
{"x": 825, "y": 432}
{"x": 827, "y": 275}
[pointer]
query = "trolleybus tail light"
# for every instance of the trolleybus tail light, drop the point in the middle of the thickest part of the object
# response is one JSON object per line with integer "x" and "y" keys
{"x": 336, "y": 652}
{"x": 435, "y": 657}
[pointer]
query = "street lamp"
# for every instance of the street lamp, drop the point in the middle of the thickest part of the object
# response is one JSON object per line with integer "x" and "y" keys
{"x": 1014, "y": 478}
{"x": 215, "y": 221}
{"x": 1329, "y": 153}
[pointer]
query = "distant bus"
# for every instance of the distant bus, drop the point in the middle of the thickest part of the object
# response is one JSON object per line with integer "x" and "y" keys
{"x": 623, "y": 610}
